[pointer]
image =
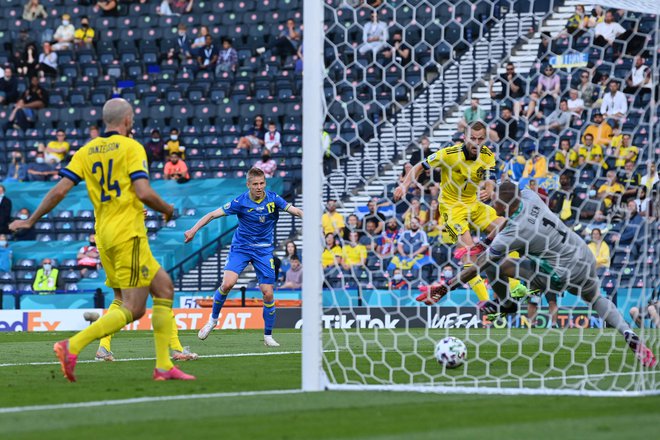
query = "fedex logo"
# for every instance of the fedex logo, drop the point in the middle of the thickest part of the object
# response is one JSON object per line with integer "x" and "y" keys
{"x": 27, "y": 322}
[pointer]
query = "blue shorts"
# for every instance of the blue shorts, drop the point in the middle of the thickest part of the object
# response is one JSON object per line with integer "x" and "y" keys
{"x": 261, "y": 259}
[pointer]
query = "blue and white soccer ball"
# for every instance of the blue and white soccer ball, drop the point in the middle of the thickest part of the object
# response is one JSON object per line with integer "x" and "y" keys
{"x": 450, "y": 352}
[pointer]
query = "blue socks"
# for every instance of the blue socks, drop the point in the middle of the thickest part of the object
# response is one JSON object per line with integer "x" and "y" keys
{"x": 269, "y": 317}
{"x": 218, "y": 301}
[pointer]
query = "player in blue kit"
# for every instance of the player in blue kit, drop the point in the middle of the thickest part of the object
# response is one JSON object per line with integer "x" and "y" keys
{"x": 257, "y": 211}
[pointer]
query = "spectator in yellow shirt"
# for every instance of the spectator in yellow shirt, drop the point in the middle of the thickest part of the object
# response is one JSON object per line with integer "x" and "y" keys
{"x": 174, "y": 144}
{"x": 536, "y": 166}
{"x": 84, "y": 35}
{"x": 600, "y": 131}
{"x": 610, "y": 191}
{"x": 331, "y": 220}
{"x": 593, "y": 153}
{"x": 331, "y": 256}
{"x": 565, "y": 157}
{"x": 623, "y": 151}
{"x": 354, "y": 256}
{"x": 57, "y": 150}
{"x": 601, "y": 251}
{"x": 415, "y": 210}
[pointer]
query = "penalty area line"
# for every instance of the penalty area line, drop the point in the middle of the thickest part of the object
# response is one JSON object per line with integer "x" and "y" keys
{"x": 137, "y": 400}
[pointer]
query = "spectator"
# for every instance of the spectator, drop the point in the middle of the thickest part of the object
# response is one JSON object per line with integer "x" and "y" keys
{"x": 544, "y": 51}
{"x": 471, "y": 114}
{"x": 64, "y": 34}
{"x": 601, "y": 251}
{"x": 372, "y": 206}
{"x": 176, "y": 169}
{"x": 506, "y": 127}
{"x": 155, "y": 147}
{"x": 354, "y": 256}
{"x": 374, "y": 36}
{"x": 513, "y": 86}
{"x": 556, "y": 121}
{"x": 630, "y": 180}
{"x": 615, "y": 104}
{"x": 272, "y": 138}
{"x": 397, "y": 281}
{"x": 6, "y": 254}
{"x": 29, "y": 62}
{"x": 331, "y": 256}
{"x": 600, "y": 131}
{"x": 643, "y": 202}
{"x": 20, "y": 51}
{"x": 633, "y": 230}
{"x": 57, "y": 150}
{"x": 652, "y": 312}
{"x": 227, "y": 58}
{"x": 597, "y": 16}
{"x": 93, "y": 132}
{"x": 47, "y": 62}
{"x": 294, "y": 274}
{"x": 266, "y": 164}
{"x": 416, "y": 210}
{"x": 575, "y": 103}
{"x": 412, "y": 248}
{"x": 183, "y": 49}
{"x": 607, "y": 30}
{"x": 651, "y": 178}
{"x": 586, "y": 89}
{"x": 542, "y": 193}
{"x": 592, "y": 153}
{"x": 513, "y": 168}
{"x": 565, "y": 156}
{"x": 623, "y": 151}
{"x": 549, "y": 83}
{"x": 254, "y": 137}
{"x": 427, "y": 148}
{"x": 88, "y": 257}
{"x": 559, "y": 201}
{"x": 286, "y": 44}
{"x": 602, "y": 83}
{"x": 8, "y": 87}
{"x": 108, "y": 8}
{"x": 24, "y": 234}
{"x": 174, "y": 144}
{"x": 398, "y": 51}
{"x": 17, "y": 171}
{"x": 5, "y": 211}
{"x": 640, "y": 78}
{"x": 207, "y": 57}
{"x": 370, "y": 239}
{"x": 84, "y": 35}
{"x": 290, "y": 250}
{"x": 331, "y": 220}
{"x": 610, "y": 191}
{"x": 181, "y": 7}
{"x": 40, "y": 170}
{"x": 47, "y": 277}
{"x": 578, "y": 22}
{"x": 528, "y": 106}
{"x": 536, "y": 166}
{"x": 33, "y": 10}
{"x": 200, "y": 40}
{"x": 387, "y": 242}
{"x": 433, "y": 227}
{"x": 23, "y": 115}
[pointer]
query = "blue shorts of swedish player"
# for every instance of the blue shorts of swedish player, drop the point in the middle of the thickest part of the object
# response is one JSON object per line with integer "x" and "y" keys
{"x": 261, "y": 259}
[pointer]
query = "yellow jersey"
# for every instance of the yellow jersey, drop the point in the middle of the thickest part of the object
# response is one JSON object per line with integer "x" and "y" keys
{"x": 59, "y": 145}
{"x": 109, "y": 164}
{"x": 560, "y": 158}
{"x": 332, "y": 222}
{"x": 591, "y": 154}
{"x": 460, "y": 173}
{"x": 329, "y": 256}
{"x": 354, "y": 254}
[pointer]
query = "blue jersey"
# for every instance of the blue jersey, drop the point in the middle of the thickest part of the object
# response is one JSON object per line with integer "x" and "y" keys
{"x": 256, "y": 221}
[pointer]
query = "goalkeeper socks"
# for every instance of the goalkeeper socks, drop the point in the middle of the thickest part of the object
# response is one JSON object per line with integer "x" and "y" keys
{"x": 477, "y": 284}
{"x": 108, "y": 324}
{"x": 161, "y": 320}
{"x": 218, "y": 301}
{"x": 175, "y": 343}
{"x": 105, "y": 341}
{"x": 610, "y": 314}
{"x": 269, "y": 317}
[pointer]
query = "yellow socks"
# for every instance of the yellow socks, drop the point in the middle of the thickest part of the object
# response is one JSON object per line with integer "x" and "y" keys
{"x": 161, "y": 320}
{"x": 175, "y": 344}
{"x": 108, "y": 324}
{"x": 477, "y": 284}
{"x": 105, "y": 342}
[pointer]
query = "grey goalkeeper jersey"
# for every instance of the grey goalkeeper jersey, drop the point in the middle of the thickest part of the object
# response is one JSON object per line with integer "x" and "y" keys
{"x": 535, "y": 231}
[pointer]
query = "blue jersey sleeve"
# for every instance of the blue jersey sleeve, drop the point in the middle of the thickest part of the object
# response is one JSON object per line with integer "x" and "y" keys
{"x": 280, "y": 203}
{"x": 232, "y": 208}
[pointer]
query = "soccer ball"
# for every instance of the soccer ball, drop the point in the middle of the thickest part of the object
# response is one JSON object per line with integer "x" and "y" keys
{"x": 450, "y": 352}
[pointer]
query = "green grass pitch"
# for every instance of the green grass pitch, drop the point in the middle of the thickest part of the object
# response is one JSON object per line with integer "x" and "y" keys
{"x": 237, "y": 361}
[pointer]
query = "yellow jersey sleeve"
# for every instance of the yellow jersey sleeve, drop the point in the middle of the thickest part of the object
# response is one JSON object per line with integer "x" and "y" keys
{"x": 437, "y": 159}
{"x": 75, "y": 170}
{"x": 136, "y": 162}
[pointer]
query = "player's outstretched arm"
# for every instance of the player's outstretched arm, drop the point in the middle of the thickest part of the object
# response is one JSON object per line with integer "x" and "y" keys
{"x": 50, "y": 201}
{"x": 149, "y": 197}
{"x": 295, "y": 211}
{"x": 190, "y": 233}
{"x": 411, "y": 177}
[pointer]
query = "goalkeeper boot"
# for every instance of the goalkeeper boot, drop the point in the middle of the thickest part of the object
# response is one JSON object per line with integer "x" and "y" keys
{"x": 207, "y": 329}
{"x": 172, "y": 374}
{"x": 642, "y": 352}
{"x": 185, "y": 355}
{"x": 270, "y": 342}
{"x": 492, "y": 308}
{"x": 67, "y": 359}
{"x": 103, "y": 354}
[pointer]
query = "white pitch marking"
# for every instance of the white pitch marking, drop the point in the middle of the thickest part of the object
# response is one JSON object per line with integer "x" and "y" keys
{"x": 18, "y": 409}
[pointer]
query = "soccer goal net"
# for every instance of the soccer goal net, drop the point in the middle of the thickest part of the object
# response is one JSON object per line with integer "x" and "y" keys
{"x": 424, "y": 108}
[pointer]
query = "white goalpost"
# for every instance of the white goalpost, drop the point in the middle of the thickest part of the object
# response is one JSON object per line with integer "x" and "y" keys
{"x": 362, "y": 328}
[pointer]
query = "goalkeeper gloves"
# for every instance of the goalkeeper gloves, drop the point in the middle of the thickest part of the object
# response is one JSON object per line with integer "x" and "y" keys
{"x": 434, "y": 293}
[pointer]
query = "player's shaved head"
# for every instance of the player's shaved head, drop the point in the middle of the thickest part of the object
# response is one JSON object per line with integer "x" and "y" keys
{"x": 506, "y": 199}
{"x": 115, "y": 112}
{"x": 507, "y": 192}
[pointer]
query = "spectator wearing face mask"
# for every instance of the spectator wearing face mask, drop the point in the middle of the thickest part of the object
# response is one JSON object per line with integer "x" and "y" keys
{"x": 155, "y": 147}
{"x": 174, "y": 144}
{"x": 5, "y": 254}
{"x": 40, "y": 170}
{"x": 84, "y": 35}
{"x": 64, "y": 34}
{"x": 46, "y": 278}
{"x": 447, "y": 273}
{"x": 88, "y": 257}
{"x": 24, "y": 234}
{"x": 5, "y": 211}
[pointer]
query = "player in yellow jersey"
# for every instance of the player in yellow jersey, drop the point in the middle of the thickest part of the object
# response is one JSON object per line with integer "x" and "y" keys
{"x": 465, "y": 184}
{"x": 115, "y": 170}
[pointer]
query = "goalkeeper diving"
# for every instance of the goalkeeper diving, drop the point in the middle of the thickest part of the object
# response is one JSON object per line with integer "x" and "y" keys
{"x": 553, "y": 258}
